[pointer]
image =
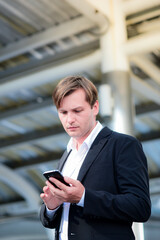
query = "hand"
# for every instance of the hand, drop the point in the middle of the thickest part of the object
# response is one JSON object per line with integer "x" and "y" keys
{"x": 72, "y": 194}
{"x": 49, "y": 198}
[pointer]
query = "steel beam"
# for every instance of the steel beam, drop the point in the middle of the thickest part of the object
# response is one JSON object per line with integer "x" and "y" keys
{"x": 52, "y": 72}
{"x": 33, "y": 106}
{"x": 30, "y": 137}
{"x": 145, "y": 89}
{"x": 144, "y": 109}
{"x": 143, "y": 43}
{"x": 33, "y": 65}
{"x": 90, "y": 12}
{"x": 49, "y": 156}
{"x": 147, "y": 66}
{"x": 152, "y": 135}
{"x": 133, "y": 6}
{"x": 50, "y": 35}
{"x": 20, "y": 185}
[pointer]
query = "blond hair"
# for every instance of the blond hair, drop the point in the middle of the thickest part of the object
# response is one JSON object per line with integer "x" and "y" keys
{"x": 70, "y": 84}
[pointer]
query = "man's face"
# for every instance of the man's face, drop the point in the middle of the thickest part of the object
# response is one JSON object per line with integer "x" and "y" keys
{"x": 77, "y": 116}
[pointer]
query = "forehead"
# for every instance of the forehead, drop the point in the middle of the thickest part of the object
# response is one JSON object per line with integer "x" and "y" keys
{"x": 75, "y": 99}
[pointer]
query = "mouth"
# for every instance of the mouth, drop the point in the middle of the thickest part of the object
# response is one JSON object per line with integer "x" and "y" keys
{"x": 72, "y": 128}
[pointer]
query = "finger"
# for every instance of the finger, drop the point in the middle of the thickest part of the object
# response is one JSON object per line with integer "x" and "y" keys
{"x": 45, "y": 189}
{"x": 50, "y": 185}
{"x": 43, "y": 196}
{"x": 59, "y": 184}
{"x": 71, "y": 181}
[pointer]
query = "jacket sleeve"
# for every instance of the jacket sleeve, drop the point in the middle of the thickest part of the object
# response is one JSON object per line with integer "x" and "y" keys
{"x": 49, "y": 222}
{"x": 132, "y": 201}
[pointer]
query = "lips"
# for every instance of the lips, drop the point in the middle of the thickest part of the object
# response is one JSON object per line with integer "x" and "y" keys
{"x": 72, "y": 128}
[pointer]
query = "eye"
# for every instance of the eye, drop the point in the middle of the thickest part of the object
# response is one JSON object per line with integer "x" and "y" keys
{"x": 63, "y": 112}
{"x": 77, "y": 111}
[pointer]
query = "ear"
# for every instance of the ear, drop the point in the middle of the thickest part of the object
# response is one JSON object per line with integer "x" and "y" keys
{"x": 96, "y": 108}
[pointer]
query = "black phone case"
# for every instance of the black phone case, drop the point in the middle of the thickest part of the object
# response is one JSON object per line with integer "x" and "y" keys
{"x": 56, "y": 174}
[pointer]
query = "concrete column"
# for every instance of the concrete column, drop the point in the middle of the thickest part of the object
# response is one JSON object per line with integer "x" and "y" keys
{"x": 115, "y": 68}
{"x": 122, "y": 116}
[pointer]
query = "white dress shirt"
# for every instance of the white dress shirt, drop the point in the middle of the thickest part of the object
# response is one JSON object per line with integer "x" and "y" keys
{"x": 71, "y": 169}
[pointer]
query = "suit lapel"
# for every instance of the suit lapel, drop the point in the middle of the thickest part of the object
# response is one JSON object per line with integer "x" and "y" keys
{"x": 96, "y": 147}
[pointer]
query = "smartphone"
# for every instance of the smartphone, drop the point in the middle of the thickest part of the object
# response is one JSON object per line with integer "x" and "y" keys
{"x": 56, "y": 174}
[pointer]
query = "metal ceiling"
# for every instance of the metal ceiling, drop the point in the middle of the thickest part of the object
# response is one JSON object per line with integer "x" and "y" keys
{"x": 42, "y": 41}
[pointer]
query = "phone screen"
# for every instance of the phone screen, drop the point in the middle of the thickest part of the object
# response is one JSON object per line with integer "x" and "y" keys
{"x": 56, "y": 174}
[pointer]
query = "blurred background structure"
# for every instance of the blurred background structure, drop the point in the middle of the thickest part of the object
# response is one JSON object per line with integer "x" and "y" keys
{"x": 116, "y": 44}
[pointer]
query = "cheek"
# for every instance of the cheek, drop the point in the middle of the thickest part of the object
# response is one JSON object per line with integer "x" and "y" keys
{"x": 86, "y": 120}
{"x": 62, "y": 119}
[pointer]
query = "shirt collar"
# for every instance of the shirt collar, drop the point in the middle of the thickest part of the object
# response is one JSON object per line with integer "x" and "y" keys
{"x": 89, "y": 140}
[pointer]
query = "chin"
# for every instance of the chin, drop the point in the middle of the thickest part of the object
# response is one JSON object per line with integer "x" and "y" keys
{"x": 71, "y": 134}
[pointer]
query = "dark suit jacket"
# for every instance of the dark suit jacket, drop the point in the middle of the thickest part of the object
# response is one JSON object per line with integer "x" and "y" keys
{"x": 115, "y": 176}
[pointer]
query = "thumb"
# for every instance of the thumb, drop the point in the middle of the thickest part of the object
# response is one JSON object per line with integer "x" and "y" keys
{"x": 70, "y": 180}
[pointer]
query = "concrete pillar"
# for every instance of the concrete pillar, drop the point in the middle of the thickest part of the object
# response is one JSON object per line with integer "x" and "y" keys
{"x": 115, "y": 68}
{"x": 122, "y": 116}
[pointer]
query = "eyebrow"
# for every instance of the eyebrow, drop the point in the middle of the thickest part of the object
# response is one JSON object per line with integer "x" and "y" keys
{"x": 62, "y": 109}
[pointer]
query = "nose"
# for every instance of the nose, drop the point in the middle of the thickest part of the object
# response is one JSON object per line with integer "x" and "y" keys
{"x": 70, "y": 117}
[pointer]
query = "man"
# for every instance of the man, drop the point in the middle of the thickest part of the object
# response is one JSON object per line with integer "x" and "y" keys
{"x": 106, "y": 170}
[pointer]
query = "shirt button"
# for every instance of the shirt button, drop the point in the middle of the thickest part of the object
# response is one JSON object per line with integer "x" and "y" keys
{"x": 72, "y": 234}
